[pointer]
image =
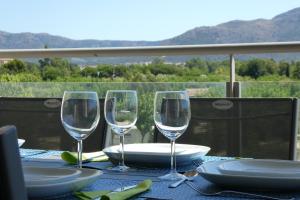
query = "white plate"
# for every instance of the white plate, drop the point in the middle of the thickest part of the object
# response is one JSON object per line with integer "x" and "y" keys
{"x": 20, "y": 142}
{"x": 85, "y": 177}
{"x": 47, "y": 175}
{"x": 261, "y": 167}
{"x": 210, "y": 171}
{"x": 156, "y": 153}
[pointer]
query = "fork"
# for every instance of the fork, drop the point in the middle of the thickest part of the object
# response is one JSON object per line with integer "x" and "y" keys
{"x": 220, "y": 192}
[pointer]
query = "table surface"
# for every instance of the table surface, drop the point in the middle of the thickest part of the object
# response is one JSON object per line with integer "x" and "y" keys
{"x": 111, "y": 179}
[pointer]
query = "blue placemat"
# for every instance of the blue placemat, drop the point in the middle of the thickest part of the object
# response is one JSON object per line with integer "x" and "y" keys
{"x": 111, "y": 180}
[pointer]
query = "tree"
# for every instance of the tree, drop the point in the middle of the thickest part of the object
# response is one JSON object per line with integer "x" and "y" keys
{"x": 258, "y": 67}
{"x": 33, "y": 68}
{"x": 51, "y": 73}
{"x": 75, "y": 70}
{"x": 14, "y": 67}
{"x": 105, "y": 71}
{"x": 145, "y": 121}
{"x": 213, "y": 66}
{"x": 197, "y": 63}
{"x": 158, "y": 61}
{"x": 89, "y": 72}
{"x": 162, "y": 69}
{"x": 44, "y": 62}
{"x": 284, "y": 69}
{"x": 296, "y": 71}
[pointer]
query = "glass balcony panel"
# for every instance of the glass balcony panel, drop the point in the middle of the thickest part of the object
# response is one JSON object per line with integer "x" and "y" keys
{"x": 273, "y": 89}
{"x": 142, "y": 132}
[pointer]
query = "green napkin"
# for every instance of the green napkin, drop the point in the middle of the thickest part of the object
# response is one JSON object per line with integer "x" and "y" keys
{"x": 108, "y": 195}
{"x": 71, "y": 157}
{"x": 91, "y": 195}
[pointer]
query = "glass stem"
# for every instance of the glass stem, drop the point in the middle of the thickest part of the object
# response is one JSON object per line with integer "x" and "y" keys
{"x": 79, "y": 154}
{"x": 121, "y": 163}
{"x": 173, "y": 157}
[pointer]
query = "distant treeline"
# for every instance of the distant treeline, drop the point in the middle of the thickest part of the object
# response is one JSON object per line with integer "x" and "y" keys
{"x": 194, "y": 70}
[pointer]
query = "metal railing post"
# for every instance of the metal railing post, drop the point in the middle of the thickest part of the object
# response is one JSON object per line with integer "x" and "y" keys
{"x": 232, "y": 75}
{"x": 233, "y": 90}
{"x": 230, "y": 86}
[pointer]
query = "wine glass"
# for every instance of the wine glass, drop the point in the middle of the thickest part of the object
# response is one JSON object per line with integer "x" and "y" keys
{"x": 171, "y": 116}
{"x": 120, "y": 111}
{"x": 80, "y": 114}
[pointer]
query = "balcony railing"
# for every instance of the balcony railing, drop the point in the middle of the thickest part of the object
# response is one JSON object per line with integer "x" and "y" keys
{"x": 225, "y": 49}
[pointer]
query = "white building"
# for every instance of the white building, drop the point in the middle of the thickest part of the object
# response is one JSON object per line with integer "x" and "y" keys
{"x": 5, "y": 60}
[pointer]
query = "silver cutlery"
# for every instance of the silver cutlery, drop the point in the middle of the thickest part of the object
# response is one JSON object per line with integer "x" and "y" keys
{"x": 189, "y": 176}
{"x": 120, "y": 189}
{"x": 34, "y": 153}
{"x": 220, "y": 192}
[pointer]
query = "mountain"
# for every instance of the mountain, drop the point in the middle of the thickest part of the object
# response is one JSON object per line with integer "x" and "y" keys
{"x": 39, "y": 40}
{"x": 283, "y": 27}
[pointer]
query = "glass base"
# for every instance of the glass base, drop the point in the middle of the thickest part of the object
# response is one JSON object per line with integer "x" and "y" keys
{"x": 121, "y": 168}
{"x": 173, "y": 176}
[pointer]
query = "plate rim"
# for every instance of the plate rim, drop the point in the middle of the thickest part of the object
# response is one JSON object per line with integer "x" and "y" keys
{"x": 76, "y": 174}
{"x": 205, "y": 149}
{"x": 76, "y": 179}
{"x": 288, "y": 174}
{"x": 201, "y": 172}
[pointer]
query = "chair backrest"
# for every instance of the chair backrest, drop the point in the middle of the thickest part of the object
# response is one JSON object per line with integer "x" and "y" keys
{"x": 38, "y": 122}
{"x": 245, "y": 127}
{"x": 12, "y": 184}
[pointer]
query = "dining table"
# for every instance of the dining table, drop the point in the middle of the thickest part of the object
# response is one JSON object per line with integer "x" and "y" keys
{"x": 111, "y": 179}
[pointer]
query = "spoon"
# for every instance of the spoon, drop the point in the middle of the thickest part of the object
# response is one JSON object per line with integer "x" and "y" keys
{"x": 189, "y": 176}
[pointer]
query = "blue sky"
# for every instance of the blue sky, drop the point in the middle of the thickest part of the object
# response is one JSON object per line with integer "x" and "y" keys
{"x": 130, "y": 19}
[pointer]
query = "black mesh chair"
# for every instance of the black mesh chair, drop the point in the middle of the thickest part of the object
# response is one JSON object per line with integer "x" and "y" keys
{"x": 12, "y": 184}
{"x": 243, "y": 127}
{"x": 38, "y": 122}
